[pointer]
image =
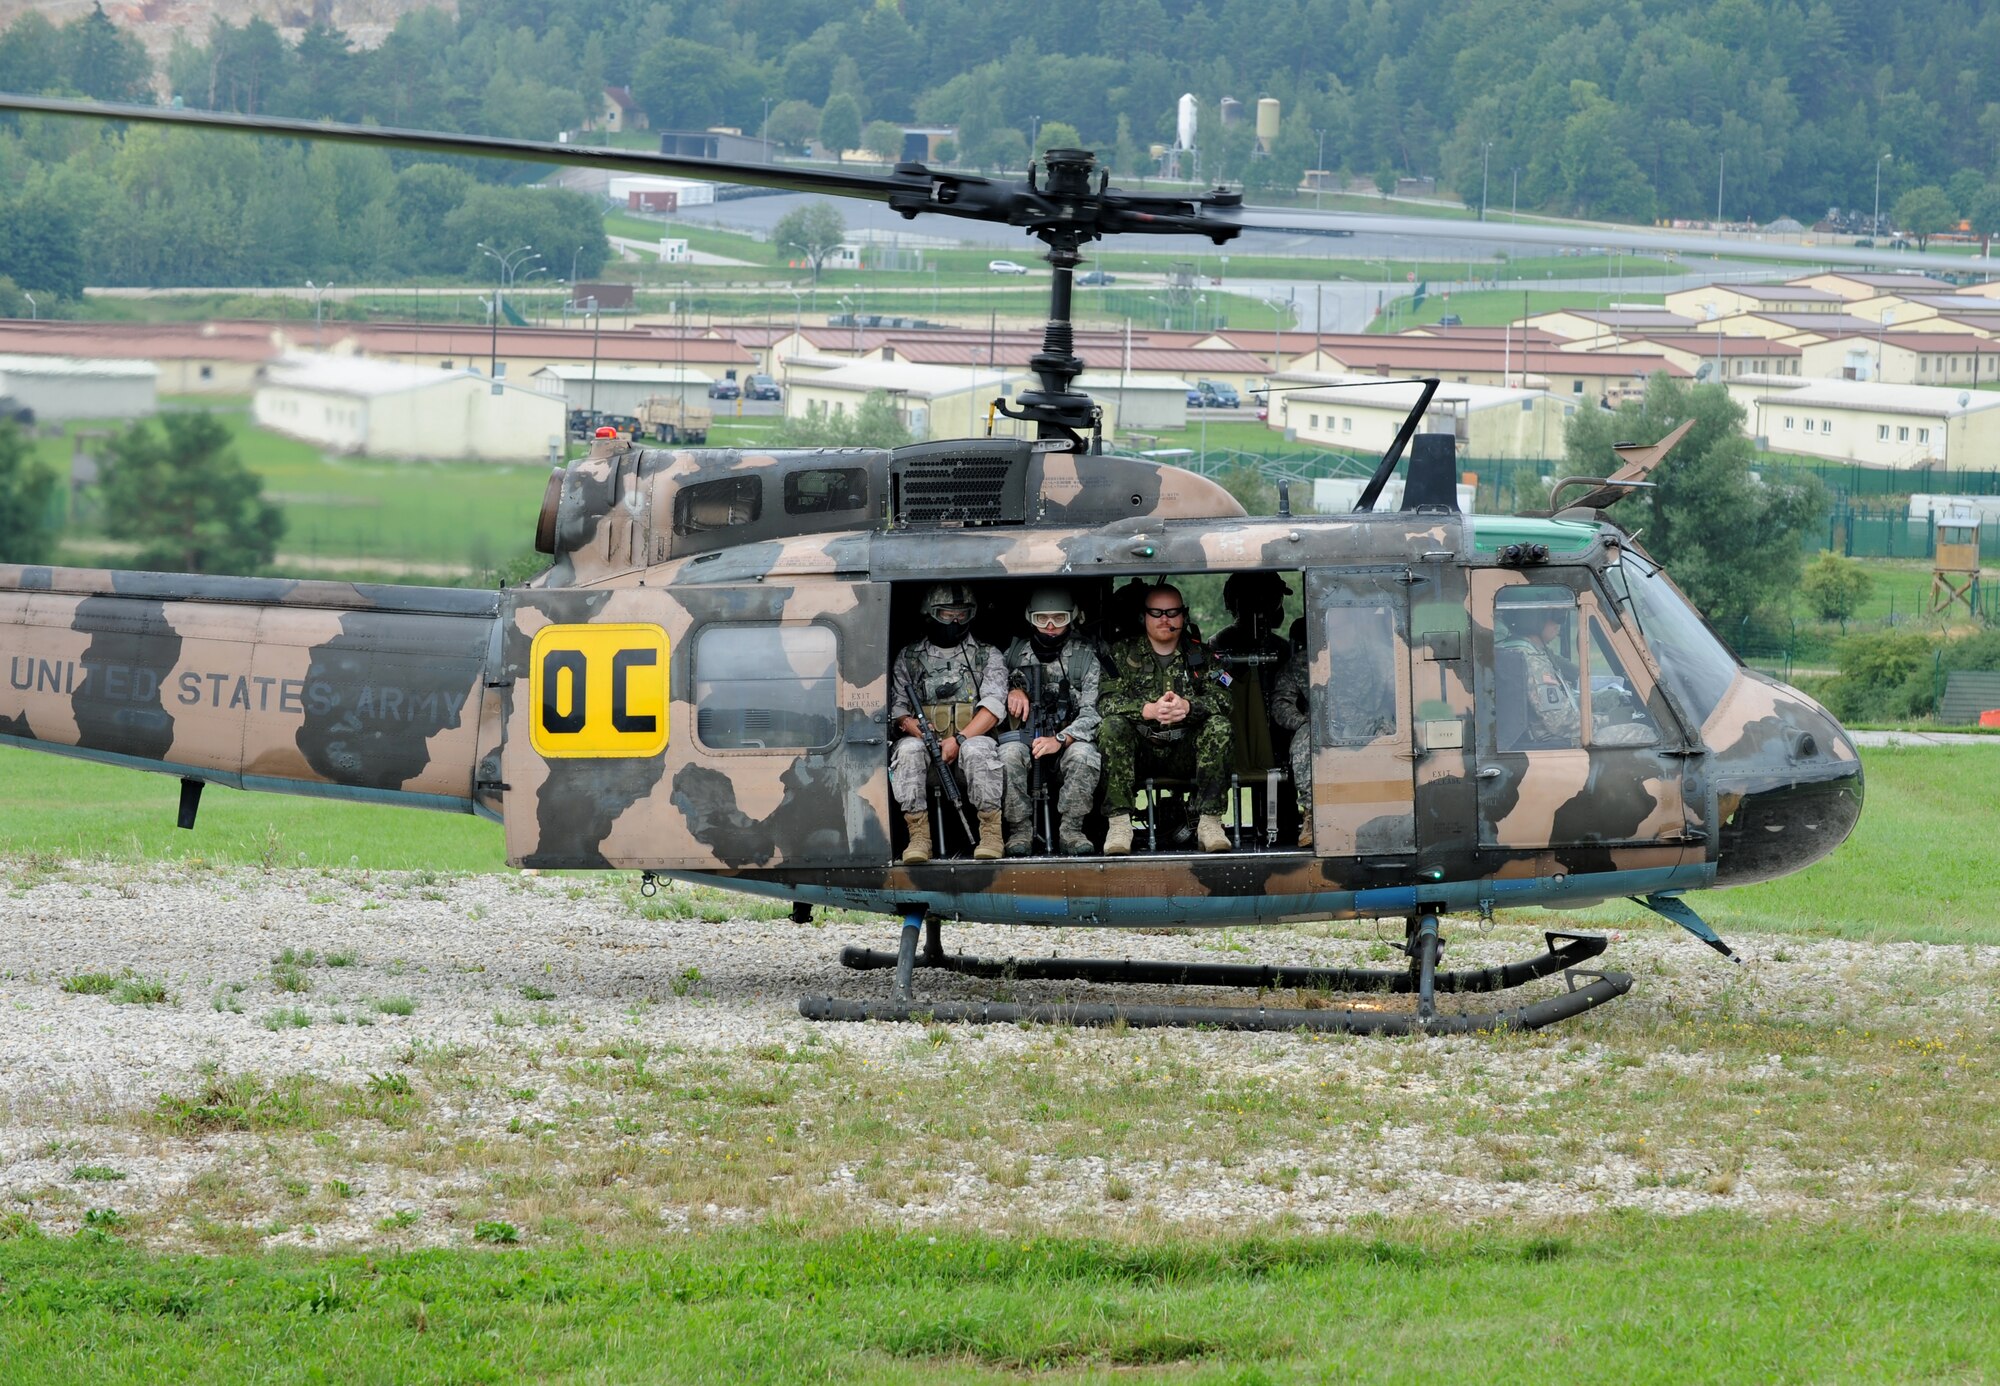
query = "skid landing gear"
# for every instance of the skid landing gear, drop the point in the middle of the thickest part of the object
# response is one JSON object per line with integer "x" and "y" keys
{"x": 1587, "y": 989}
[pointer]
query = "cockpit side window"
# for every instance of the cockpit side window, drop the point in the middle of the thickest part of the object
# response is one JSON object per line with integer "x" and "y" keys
{"x": 1618, "y": 715}
{"x": 1694, "y": 665}
{"x": 1535, "y": 664}
{"x": 720, "y": 504}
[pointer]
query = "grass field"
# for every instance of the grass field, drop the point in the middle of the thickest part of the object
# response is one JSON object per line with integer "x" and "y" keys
{"x": 1916, "y": 868}
{"x": 1493, "y": 307}
{"x": 1618, "y": 1300}
{"x": 477, "y": 515}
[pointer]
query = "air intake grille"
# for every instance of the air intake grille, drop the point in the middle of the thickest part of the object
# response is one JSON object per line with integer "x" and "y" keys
{"x": 956, "y": 485}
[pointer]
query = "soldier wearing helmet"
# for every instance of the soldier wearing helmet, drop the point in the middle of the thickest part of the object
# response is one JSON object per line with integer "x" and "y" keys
{"x": 1054, "y": 664}
{"x": 1166, "y": 711}
{"x": 1530, "y": 629}
{"x": 961, "y": 685}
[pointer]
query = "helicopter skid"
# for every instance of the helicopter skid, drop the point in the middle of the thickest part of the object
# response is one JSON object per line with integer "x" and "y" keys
{"x": 1565, "y": 952}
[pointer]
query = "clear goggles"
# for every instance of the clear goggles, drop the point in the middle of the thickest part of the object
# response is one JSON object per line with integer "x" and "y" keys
{"x": 953, "y": 615}
{"x": 1058, "y": 620}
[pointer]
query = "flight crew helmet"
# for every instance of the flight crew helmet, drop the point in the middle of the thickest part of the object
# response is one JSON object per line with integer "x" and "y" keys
{"x": 1052, "y": 612}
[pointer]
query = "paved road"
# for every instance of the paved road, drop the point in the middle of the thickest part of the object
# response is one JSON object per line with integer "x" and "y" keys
{"x": 1903, "y": 738}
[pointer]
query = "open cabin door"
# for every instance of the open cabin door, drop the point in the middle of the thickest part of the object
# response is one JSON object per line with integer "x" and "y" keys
{"x": 1570, "y": 756}
{"x": 1363, "y": 782}
{"x": 768, "y": 750}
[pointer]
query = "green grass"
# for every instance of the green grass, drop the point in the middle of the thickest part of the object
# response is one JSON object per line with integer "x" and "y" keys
{"x": 1493, "y": 307}
{"x": 476, "y": 515}
{"x": 1611, "y": 1299}
{"x": 55, "y": 806}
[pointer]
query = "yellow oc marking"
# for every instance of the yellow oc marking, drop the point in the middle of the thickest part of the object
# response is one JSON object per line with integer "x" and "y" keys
{"x": 598, "y": 691}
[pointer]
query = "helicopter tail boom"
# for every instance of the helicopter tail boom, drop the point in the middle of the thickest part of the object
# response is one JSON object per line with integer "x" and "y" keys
{"x": 340, "y": 689}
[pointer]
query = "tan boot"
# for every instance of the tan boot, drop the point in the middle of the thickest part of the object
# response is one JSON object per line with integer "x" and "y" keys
{"x": 919, "y": 850}
{"x": 990, "y": 835}
{"x": 1306, "y": 831}
{"x": 1213, "y": 836}
{"x": 1118, "y": 836}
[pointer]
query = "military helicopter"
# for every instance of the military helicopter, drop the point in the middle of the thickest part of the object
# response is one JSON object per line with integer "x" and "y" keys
{"x": 698, "y": 686}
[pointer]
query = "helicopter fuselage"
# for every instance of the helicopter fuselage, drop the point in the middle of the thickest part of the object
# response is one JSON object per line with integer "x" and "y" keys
{"x": 698, "y": 688}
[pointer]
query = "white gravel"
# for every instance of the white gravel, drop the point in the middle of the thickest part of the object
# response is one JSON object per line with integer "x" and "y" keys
{"x": 79, "y": 1073}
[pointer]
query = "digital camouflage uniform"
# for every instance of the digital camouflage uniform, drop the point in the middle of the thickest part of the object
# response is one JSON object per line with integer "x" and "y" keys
{"x": 1553, "y": 718}
{"x": 1361, "y": 705}
{"x": 950, "y": 684}
{"x": 1069, "y": 688}
{"x": 1198, "y": 749}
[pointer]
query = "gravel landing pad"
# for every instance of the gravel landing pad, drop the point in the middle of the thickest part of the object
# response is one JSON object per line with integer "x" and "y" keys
{"x": 402, "y": 1058}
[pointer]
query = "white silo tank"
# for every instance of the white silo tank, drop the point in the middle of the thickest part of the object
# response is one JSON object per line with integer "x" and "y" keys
{"x": 1184, "y": 122}
{"x": 1267, "y": 122}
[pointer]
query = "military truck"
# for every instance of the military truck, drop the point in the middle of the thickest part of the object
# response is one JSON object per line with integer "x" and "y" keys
{"x": 674, "y": 420}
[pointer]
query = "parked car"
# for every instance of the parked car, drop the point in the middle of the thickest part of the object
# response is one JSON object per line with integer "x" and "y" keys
{"x": 1096, "y": 277}
{"x": 1195, "y": 399}
{"x": 1006, "y": 267}
{"x": 1451, "y": 320}
{"x": 1216, "y": 395}
{"x": 725, "y": 389}
{"x": 762, "y": 387}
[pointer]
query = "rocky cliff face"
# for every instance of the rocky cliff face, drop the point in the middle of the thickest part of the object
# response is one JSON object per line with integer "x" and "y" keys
{"x": 157, "y": 22}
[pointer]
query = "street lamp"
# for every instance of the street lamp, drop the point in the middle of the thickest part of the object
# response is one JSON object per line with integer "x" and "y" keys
{"x": 764, "y": 131}
{"x": 1485, "y": 150}
{"x": 1319, "y": 170}
{"x": 34, "y": 309}
{"x": 507, "y": 262}
{"x": 1875, "y": 222}
{"x": 317, "y": 291}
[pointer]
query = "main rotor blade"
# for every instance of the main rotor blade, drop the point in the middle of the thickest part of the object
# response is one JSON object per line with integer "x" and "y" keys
{"x": 783, "y": 176}
{"x": 1603, "y": 239}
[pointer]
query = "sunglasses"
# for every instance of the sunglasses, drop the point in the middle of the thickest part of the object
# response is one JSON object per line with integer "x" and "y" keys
{"x": 1049, "y": 618}
{"x": 1166, "y": 613}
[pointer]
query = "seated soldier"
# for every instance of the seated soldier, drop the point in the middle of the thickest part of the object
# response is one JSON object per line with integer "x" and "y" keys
{"x": 1360, "y": 696}
{"x": 1553, "y": 713}
{"x": 1052, "y": 682}
{"x": 1166, "y": 712}
{"x": 960, "y": 686}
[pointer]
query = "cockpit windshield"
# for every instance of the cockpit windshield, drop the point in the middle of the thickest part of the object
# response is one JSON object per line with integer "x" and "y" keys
{"x": 1696, "y": 666}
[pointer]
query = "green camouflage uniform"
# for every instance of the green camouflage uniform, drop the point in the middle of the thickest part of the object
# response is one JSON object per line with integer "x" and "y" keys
{"x": 1069, "y": 687}
{"x": 1553, "y": 718}
{"x": 1199, "y": 749}
{"x": 1361, "y": 705}
{"x": 950, "y": 684}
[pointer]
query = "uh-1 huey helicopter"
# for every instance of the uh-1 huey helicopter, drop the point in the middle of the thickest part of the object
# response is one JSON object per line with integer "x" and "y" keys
{"x": 698, "y": 686}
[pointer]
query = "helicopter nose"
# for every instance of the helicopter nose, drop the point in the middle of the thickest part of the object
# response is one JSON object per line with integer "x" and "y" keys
{"x": 1789, "y": 785}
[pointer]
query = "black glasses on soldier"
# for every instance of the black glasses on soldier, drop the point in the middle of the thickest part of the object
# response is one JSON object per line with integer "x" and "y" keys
{"x": 1166, "y": 613}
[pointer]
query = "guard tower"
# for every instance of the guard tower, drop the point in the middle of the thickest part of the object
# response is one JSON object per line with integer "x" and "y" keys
{"x": 1955, "y": 577}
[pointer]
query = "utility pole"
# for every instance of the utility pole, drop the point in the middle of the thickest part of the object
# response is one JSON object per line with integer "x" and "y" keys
{"x": 1875, "y": 222}
{"x": 596, "y": 320}
{"x": 1319, "y": 170}
{"x": 1514, "y": 207}
{"x": 1485, "y": 150}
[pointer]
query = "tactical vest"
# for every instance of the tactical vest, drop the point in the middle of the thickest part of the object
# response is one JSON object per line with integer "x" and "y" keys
{"x": 1059, "y": 697}
{"x": 947, "y": 684}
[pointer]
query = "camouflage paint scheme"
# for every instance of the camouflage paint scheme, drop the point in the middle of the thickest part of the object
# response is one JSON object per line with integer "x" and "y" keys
{"x": 419, "y": 696}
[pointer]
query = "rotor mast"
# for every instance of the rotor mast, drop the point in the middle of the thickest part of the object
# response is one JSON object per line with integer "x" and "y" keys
{"x": 1058, "y": 410}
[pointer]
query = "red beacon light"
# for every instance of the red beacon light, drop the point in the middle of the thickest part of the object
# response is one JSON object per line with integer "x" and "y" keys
{"x": 607, "y": 431}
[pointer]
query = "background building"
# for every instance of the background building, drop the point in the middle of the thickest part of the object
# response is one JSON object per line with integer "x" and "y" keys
{"x": 388, "y": 409}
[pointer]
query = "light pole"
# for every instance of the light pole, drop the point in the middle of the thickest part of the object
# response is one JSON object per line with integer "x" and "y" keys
{"x": 797, "y": 300}
{"x": 1721, "y": 162}
{"x": 572, "y": 266}
{"x": 1875, "y": 222}
{"x": 34, "y": 309}
{"x": 1034, "y": 133}
{"x": 1319, "y": 170}
{"x": 764, "y": 131}
{"x": 507, "y": 261}
{"x": 596, "y": 319}
{"x": 317, "y": 291}
{"x": 1485, "y": 151}
{"x": 1514, "y": 207}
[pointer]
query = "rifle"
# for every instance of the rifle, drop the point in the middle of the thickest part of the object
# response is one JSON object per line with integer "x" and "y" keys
{"x": 1038, "y": 783}
{"x": 947, "y": 781}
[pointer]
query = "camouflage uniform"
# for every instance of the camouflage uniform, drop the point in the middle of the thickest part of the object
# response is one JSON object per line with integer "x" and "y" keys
{"x": 1361, "y": 705}
{"x": 1553, "y": 716}
{"x": 1199, "y": 749}
{"x": 950, "y": 684}
{"x": 1069, "y": 687}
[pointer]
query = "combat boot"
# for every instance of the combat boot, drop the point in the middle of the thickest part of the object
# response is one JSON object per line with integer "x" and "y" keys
{"x": 1020, "y": 838}
{"x": 1118, "y": 836}
{"x": 990, "y": 833}
{"x": 919, "y": 850}
{"x": 1306, "y": 830}
{"x": 1075, "y": 841}
{"x": 1213, "y": 837}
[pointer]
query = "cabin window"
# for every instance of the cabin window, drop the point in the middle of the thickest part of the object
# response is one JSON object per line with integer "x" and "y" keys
{"x": 1881, "y": 433}
{"x": 1618, "y": 715}
{"x": 1809, "y": 425}
{"x": 1314, "y": 420}
{"x": 1903, "y": 433}
{"x": 765, "y": 687}
{"x": 1923, "y": 435}
{"x": 1826, "y": 425}
{"x": 208, "y": 372}
{"x": 1360, "y": 699}
{"x": 1346, "y": 423}
{"x": 1788, "y": 423}
{"x": 712, "y": 505}
{"x": 823, "y": 490}
{"x": 1576, "y": 387}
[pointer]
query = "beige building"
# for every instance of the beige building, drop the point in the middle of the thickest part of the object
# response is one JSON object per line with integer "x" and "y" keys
{"x": 1727, "y": 300}
{"x": 1904, "y": 358}
{"x": 1877, "y": 425}
{"x": 1601, "y": 324}
{"x": 61, "y": 388}
{"x": 389, "y": 409}
{"x": 1856, "y": 285}
{"x": 932, "y": 401}
{"x": 1710, "y": 354}
{"x": 622, "y": 389}
{"x": 1487, "y": 420}
{"x": 193, "y": 358}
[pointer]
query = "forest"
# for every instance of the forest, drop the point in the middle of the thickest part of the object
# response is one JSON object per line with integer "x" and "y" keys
{"x": 1623, "y": 109}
